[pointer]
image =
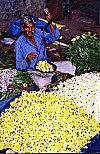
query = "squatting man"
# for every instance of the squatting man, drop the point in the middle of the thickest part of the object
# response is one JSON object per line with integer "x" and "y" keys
{"x": 30, "y": 49}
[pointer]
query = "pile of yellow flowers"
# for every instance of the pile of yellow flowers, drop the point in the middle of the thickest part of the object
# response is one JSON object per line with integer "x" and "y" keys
{"x": 45, "y": 122}
{"x": 44, "y": 66}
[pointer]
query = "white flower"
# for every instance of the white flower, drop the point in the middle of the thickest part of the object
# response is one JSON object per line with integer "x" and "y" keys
{"x": 85, "y": 89}
{"x": 24, "y": 85}
{"x": 6, "y": 77}
{"x": 73, "y": 40}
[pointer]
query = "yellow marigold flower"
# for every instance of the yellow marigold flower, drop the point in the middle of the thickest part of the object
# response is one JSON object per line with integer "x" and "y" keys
{"x": 44, "y": 66}
{"x": 77, "y": 37}
{"x": 89, "y": 33}
{"x": 1, "y": 146}
{"x": 55, "y": 43}
{"x": 95, "y": 38}
{"x": 83, "y": 36}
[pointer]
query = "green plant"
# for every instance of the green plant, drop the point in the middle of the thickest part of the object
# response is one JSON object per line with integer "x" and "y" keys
{"x": 7, "y": 59}
{"x": 84, "y": 52}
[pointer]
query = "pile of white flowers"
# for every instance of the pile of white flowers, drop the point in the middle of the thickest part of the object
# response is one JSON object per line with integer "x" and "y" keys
{"x": 6, "y": 78}
{"x": 85, "y": 89}
{"x": 44, "y": 66}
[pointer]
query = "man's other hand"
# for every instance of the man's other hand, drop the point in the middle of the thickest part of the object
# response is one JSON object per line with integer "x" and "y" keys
{"x": 48, "y": 15}
{"x": 31, "y": 56}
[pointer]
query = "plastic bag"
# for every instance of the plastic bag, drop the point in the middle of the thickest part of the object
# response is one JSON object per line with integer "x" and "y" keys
{"x": 15, "y": 26}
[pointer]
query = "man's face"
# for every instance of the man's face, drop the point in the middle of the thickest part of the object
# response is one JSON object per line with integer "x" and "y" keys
{"x": 29, "y": 29}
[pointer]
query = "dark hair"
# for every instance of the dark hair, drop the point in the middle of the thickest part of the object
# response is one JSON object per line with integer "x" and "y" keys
{"x": 26, "y": 20}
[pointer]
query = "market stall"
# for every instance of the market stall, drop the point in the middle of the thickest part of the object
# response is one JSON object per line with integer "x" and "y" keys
{"x": 66, "y": 119}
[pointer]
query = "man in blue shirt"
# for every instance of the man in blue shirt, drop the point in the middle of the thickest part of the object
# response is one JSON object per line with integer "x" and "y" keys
{"x": 30, "y": 46}
{"x": 30, "y": 49}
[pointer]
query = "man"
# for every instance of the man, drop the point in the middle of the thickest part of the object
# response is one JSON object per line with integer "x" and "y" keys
{"x": 30, "y": 49}
{"x": 30, "y": 46}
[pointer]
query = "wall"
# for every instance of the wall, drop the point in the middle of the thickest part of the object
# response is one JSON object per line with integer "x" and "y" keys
{"x": 55, "y": 7}
{"x": 13, "y": 9}
{"x": 90, "y": 8}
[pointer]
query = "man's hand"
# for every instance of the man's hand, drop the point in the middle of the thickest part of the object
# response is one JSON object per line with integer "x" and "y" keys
{"x": 31, "y": 56}
{"x": 49, "y": 19}
{"x": 48, "y": 15}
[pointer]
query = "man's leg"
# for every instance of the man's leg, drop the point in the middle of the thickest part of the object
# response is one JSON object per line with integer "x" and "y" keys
{"x": 65, "y": 67}
{"x": 62, "y": 77}
{"x": 41, "y": 79}
{"x": 65, "y": 70}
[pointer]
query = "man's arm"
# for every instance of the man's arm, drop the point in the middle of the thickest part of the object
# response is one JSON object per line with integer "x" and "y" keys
{"x": 21, "y": 62}
{"x": 51, "y": 36}
{"x": 49, "y": 19}
{"x": 31, "y": 56}
{"x": 54, "y": 33}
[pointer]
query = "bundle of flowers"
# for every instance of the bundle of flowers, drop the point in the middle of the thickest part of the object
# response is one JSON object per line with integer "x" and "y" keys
{"x": 84, "y": 52}
{"x": 84, "y": 89}
{"x": 42, "y": 122}
{"x": 13, "y": 82}
{"x": 44, "y": 66}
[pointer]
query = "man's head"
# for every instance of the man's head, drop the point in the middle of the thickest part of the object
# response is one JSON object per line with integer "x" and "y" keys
{"x": 28, "y": 25}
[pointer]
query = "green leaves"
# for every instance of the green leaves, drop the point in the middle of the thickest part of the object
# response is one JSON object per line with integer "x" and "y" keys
{"x": 84, "y": 52}
{"x": 7, "y": 59}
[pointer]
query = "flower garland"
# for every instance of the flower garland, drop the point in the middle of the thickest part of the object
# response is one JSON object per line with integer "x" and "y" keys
{"x": 42, "y": 122}
{"x": 85, "y": 89}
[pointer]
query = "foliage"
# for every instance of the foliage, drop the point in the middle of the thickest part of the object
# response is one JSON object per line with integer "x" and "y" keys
{"x": 84, "y": 52}
{"x": 7, "y": 59}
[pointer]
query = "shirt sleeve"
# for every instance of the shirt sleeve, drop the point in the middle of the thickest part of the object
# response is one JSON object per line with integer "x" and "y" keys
{"x": 50, "y": 37}
{"x": 21, "y": 63}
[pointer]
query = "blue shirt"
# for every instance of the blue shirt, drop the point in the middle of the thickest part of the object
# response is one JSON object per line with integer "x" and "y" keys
{"x": 23, "y": 47}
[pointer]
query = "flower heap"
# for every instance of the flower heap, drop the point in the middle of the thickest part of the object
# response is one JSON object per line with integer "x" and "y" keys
{"x": 85, "y": 89}
{"x": 44, "y": 66}
{"x": 6, "y": 78}
{"x": 42, "y": 122}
